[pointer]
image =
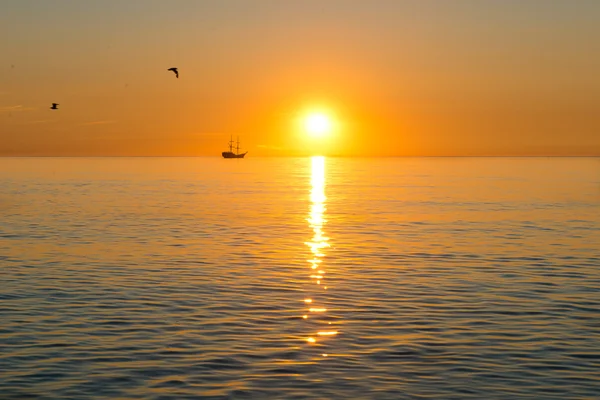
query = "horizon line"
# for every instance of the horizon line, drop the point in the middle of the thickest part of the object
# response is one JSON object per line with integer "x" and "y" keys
{"x": 307, "y": 156}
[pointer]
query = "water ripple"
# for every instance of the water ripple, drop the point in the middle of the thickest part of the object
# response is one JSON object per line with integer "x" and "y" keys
{"x": 446, "y": 279}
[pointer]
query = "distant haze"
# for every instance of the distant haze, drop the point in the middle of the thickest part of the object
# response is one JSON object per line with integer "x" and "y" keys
{"x": 401, "y": 77}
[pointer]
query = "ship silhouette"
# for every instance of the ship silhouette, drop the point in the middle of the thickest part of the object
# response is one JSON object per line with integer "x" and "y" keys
{"x": 230, "y": 153}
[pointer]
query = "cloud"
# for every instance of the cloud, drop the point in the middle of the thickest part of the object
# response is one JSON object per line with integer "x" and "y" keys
{"x": 99, "y": 123}
{"x": 11, "y": 109}
{"x": 267, "y": 147}
{"x": 40, "y": 121}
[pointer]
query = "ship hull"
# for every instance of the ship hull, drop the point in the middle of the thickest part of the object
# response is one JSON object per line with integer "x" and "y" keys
{"x": 229, "y": 154}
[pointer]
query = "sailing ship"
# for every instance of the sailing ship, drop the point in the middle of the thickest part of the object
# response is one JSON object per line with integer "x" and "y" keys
{"x": 230, "y": 153}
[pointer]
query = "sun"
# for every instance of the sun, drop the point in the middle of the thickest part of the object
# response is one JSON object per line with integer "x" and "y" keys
{"x": 317, "y": 124}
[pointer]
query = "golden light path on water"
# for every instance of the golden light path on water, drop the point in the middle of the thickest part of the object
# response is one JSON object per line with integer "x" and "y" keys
{"x": 317, "y": 245}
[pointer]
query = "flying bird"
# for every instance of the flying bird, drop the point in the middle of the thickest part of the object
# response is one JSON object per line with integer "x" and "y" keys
{"x": 174, "y": 70}
{"x": 54, "y": 106}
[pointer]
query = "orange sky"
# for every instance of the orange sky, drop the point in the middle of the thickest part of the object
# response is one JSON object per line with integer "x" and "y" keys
{"x": 400, "y": 77}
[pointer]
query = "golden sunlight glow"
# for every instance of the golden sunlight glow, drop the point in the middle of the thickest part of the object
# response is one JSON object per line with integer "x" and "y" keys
{"x": 327, "y": 333}
{"x": 317, "y": 124}
{"x": 317, "y": 245}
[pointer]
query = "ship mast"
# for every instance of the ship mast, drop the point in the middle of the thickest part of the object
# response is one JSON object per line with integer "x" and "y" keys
{"x": 237, "y": 147}
{"x": 231, "y": 144}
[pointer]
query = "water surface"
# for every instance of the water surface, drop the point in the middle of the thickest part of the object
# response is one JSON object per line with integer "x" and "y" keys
{"x": 199, "y": 278}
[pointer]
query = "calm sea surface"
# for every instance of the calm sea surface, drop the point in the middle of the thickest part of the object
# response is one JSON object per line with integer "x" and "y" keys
{"x": 205, "y": 278}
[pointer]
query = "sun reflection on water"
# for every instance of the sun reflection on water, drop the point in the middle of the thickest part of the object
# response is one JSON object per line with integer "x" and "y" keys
{"x": 317, "y": 246}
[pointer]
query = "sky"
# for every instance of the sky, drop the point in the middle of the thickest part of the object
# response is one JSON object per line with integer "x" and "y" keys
{"x": 396, "y": 78}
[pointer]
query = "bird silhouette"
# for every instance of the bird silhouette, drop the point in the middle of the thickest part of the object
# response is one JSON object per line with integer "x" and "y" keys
{"x": 174, "y": 70}
{"x": 54, "y": 106}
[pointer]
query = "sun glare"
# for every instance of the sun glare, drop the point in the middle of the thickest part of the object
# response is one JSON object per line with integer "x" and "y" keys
{"x": 317, "y": 124}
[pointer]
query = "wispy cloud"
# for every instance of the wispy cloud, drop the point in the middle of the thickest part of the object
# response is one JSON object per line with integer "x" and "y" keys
{"x": 99, "y": 123}
{"x": 265, "y": 146}
{"x": 40, "y": 121}
{"x": 207, "y": 134}
{"x": 11, "y": 109}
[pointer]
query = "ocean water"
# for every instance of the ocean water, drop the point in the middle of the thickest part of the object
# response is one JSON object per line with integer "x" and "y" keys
{"x": 300, "y": 278}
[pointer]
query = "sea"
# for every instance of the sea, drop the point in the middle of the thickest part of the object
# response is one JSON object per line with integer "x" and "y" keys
{"x": 300, "y": 278}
